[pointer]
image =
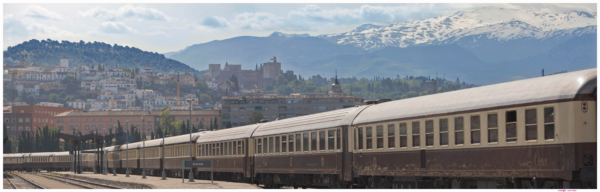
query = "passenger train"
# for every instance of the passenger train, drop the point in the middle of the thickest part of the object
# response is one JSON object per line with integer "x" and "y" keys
{"x": 533, "y": 133}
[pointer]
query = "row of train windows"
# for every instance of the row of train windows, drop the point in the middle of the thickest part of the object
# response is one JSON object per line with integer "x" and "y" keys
{"x": 151, "y": 153}
{"x": 326, "y": 139}
{"x": 132, "y": 154}
{"x": 531, "y": 130}
{"x": 177, "y": 151}
{"x": 39, "y": 159}
{"x": 230, "y": 148}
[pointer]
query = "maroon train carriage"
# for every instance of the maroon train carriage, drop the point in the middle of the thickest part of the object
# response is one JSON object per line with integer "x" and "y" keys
{"x": 533, "y": 133}
{"x": 62, "y": 161}
{"x": 130, "y": 158}
{"x": 153, "y": 157}
{"x": 38, "y": 161}
{"x": 114, "y": 160}
{"x": 13, "y": 161}
{"x": 227, "y": 148}
{"x": 305, "y": 151}
{"x": 177, "y": 150}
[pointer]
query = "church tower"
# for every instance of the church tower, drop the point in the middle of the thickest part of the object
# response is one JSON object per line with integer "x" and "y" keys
{"x": 64, "y": 62}
{"x": 336, "y": 87}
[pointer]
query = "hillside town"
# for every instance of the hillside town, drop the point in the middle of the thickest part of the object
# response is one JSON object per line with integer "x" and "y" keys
{"x": 90, "y": 99}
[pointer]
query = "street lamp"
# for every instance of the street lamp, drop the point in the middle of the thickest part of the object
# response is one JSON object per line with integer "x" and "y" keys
{"x": 114, "y": 152}
{"x": 127, "y": 153}
{"x": 190, "y": 125}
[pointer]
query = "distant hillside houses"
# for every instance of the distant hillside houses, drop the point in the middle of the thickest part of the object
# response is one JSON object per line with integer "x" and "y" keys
{"x": 114, "y": 88}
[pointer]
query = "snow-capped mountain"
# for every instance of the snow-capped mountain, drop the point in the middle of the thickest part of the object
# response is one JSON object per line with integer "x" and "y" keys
{"x": 494, "y": 23}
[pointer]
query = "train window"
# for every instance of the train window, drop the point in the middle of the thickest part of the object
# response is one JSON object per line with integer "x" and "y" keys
{"x": 549, "y": 123}
{"x": 215, "y": 151}
{"x": 379, "y": 132}
{"x": 231, "y": 149}
{"x": 242, "y": 147}
{"x": 458, "y": 131}
{"x": 492, "y": 122}
{"x": 322, "y": 140}
{"x": 291, "y": 143}
{"x": 403, "y": 137}
{"x": 313, "y": 141}
{"x": 305, "y": 142}
{"x": 283, "y": 144}
{"x": 369, "y": 136}
{"x": 265, "y": 146}
{"x": 271, "y": 145}
{"x": 234, "y": 148}
{"x": 225, "y": 149}
{"x": 222, "y": 149}
{"x": 530, "y": 125}
{"x": 391, "y": 136}
{"x": 355, "y": 140}
{"x": 429, "y": 133}
{"x": 416, "y": 131}
{"x": 475, "y": 130}
{"x": 277, "y": 144}
{"x": 443, "y": 131}
{"x": 199, "y": 151}
{"x": 331, "y": 140}
{"x": 511, "y": 126}
{"x": 338, "y": 139}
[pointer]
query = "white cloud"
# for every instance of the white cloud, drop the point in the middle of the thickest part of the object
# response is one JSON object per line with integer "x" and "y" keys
{"x": 126, "y": 12}
{"x": 38, "y": 12}
{"x": 116, "y": 28}
{"x": 257, "y": 20}
{"x": 215, "y": 22}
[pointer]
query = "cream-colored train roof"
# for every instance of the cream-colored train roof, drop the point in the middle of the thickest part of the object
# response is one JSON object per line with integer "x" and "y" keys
{"x": 14, "y": 155}
{"x": 61, "y": 154}
{"x": 228, "y": 134}
{"x": 335, "y": 118}
{"x": 41, "y": 154}
{"x": 153, "y": 143}
{"x": 185, "y": 138}
{"x": 539, "y": 89}
{"x": 131, "y": 146}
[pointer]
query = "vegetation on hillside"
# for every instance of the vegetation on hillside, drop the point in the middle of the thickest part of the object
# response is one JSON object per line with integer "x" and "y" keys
{"x": 48, "y": 52}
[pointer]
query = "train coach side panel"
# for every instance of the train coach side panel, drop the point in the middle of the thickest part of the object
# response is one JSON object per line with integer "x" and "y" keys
{"x": 541, "y": 161}
{"x": 315, "y": 163}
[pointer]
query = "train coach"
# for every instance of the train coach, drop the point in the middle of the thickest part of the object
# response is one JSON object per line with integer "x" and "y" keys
{"x": 533, "y": 133}
{"x": 130, "y": 158}
{"x": 305, "y": 151}
{"x": 228, "y": 150}
{"x": 177, "y": 150}
{"x": 154, "y": 157}
{"x": 62, "y": 161}
{"x": 38, "y": 161}
{"x": 13, "y": 161}
{"x": 113, "y": 158}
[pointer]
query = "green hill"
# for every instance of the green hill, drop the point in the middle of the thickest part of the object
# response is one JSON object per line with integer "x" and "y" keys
{"x": 48, "y": 52}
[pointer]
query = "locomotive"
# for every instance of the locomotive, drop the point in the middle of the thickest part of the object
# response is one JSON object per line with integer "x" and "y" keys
{"x": 533, "y": 133}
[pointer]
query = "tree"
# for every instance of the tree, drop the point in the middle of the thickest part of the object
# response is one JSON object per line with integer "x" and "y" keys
{"x": 228, "y": 125}
{"x": 30, "y": 99}
{"x": 165, "y": 120}
{"x": 234, "y": 80}
{"x": 257, "y": 115}
{"x": 53, "y": 98}
{"x": 138, "y": 102}
{"x": 71, "y": 83}
{"x": 7, "y": 143}
{"x": 204, "y": 98}
{"x": 216, "y": 122}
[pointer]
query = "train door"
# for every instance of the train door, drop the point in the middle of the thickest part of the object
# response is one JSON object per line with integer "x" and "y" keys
{"x": 346, "y": 155}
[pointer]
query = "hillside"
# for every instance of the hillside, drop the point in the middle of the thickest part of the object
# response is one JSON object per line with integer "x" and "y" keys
{"x": 48, "y": 52}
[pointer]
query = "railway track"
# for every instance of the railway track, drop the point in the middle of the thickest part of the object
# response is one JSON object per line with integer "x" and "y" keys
{"x": 19, "y": 182}
{"x": 80, "y": 183}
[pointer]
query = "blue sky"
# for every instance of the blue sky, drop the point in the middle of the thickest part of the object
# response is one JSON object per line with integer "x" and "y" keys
{"x": 170, "y": 27}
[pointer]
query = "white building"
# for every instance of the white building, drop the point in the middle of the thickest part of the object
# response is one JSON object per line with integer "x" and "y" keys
{"x": 64, "y": 62}
{"x": 76, "y": 104}
{"x": 29, "y": 88}
{"x": 46, "y": 76}
{"x": 113, "y": 85}
{"x": 34, "y": 67}
{"x": 49, "y": 104}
